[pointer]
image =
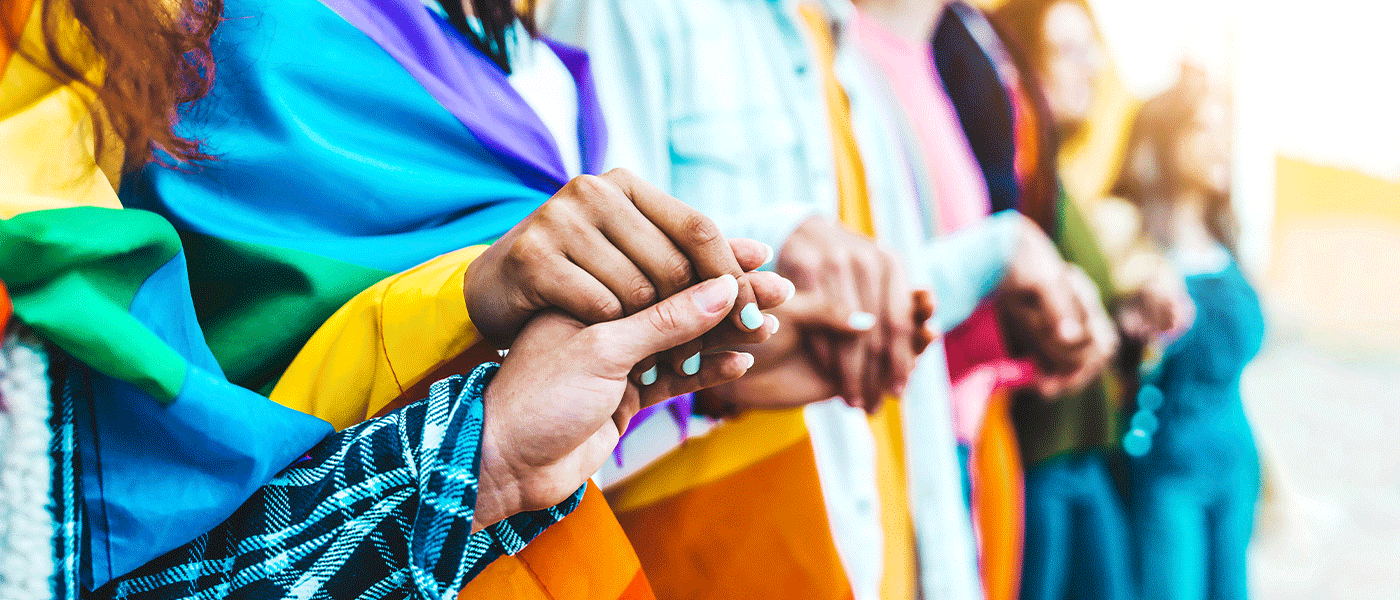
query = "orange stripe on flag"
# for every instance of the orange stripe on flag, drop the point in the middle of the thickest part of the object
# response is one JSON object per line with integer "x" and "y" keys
{"x": 1000, "y": 502}
{"x": 761, "y": 532}
{"x": 585, "y": 556}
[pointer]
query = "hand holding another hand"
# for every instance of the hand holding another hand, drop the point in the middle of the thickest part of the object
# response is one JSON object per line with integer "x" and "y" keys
{"x": 563, "y": 395}
{"x": 1054, "y": 310}
{"x": 610, "y": 246}
{"x": 855, "y": 309}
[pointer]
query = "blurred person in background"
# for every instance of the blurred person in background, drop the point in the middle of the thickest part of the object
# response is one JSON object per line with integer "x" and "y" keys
{"x": 1194, "y": 468}
{"x": 950, "y": 87}
{"x": 173, "y": 451}
{"x": 1077, "y": 538}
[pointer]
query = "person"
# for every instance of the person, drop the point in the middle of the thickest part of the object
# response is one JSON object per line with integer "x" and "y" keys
{"x": 936, "y": 63}
{"x": 696, "y": 122}
{"x": 486, "y": 463}
{"x": 1077, "y": 536}
{"x": 1194, "y": 468}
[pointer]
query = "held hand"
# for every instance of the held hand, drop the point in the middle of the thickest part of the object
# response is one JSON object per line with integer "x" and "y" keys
{"x": 609, "y": 246}
{"x": 858, "y": 294}
{"x": 562, "y": 397}
{"x": 1077, "y": 365}
{"x": 1053, "y": 309}
{"x": 786, "y": 373}
{"x": 1161, "y": 308}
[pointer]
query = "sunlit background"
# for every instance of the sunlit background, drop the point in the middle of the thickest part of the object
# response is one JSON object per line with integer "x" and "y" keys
{"x": 1317, "y": 188}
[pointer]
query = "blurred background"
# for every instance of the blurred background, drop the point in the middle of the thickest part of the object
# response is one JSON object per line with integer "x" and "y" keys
{"x": 1317, "y": 188}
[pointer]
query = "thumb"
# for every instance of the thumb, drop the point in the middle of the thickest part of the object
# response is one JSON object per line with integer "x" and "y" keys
{"x": 672, "y": 322}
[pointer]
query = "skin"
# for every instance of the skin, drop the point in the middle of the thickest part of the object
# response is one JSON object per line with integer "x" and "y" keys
{"x": 552, "y": 418}
{"x": 1201, "y": 158}
{"x": 1049, "y": 302}
{"x": 1073, "y": 60}
{"x": 607, "y": 247}
{"x": 838, "y": 272}
{"x": 1051, "y": 305}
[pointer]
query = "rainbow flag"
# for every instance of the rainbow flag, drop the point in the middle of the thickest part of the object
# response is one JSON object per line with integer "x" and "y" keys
{"x": 365, "y": 152}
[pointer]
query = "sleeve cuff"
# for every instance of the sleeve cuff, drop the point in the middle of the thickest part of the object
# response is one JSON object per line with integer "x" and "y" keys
{"x": 516, "y": 531}
{"x": 969, "y": 264}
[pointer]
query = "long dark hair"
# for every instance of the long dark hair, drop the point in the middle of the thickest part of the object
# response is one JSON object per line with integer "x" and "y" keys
{"x": 496, "y": 17}
{"x": 155, "y": 56}
{"x": 1150, "y": 177}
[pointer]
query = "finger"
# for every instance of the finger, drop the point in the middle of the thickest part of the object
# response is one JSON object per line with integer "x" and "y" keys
{"x": 812, "y": 308}
{"x": 646, "y": 372}
{"x": 900, "y": 327}
{"x": 630, "y": 404}
{"x": 923, "y": 339}
{"x": 596, "y": 255}
{"x": 850, "y": 366}
{"x": 862, "y": 357}
{"x": 823, "y": 351}
{"x": 715, "y": 369}
{"x": 751, "y": 254}
{"x": 622, "y": 227}
{"x": 790, "y": 384}
{"x": 925, "y": 306}
{"x": 728, "y": 336}
{"x": 575, "y": 291}
{"x": 695, "y": 235}
{"x": 772, "y": 290}
{"x": 667, "y": 324}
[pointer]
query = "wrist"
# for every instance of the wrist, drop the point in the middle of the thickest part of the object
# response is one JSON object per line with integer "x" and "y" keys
{"x": 498, "y": 488}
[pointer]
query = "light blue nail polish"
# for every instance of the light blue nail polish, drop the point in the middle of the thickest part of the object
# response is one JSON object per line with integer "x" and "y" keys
{"x": 861, "y": 321}
{"x": 649, "y": 376}
{"x": 751, "y": 317}
{"x": 691, "y": 365}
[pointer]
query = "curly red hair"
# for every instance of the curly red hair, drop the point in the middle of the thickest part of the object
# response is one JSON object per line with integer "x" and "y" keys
{"x": 155, "y": 56}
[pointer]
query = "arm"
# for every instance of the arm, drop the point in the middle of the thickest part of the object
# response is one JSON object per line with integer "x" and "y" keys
{"x": 389, "y": 337}
{"x": 967, "y": 266}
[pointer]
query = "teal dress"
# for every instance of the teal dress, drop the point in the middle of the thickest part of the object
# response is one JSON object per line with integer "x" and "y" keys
{"x": 1194, "y": 488}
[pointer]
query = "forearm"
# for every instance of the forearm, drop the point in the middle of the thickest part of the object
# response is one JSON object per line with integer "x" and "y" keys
{"x": 382, "y": 342}
{"x": 967, "y": 266}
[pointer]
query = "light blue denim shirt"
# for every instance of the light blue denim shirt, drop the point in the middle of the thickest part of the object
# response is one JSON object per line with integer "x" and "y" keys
{"x": 759, "y": 161}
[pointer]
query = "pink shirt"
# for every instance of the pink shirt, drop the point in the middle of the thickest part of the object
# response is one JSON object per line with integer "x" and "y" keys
{"x": 957, "y": 180}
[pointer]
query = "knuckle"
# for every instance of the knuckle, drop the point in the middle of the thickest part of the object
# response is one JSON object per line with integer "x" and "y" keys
{"x": 619, "y": 174}
{"x": 640, "y": 291}
{"x": 605, "y": 307}
{"x": 666, "y": 317}
{"x": 591, "y": 190}
{"x": 698, "y": 230}
{"x": 677, "y": 272}
{"x": 530, "y": 248}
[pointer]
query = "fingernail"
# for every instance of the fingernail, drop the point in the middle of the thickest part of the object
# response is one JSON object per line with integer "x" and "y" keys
{"x": 649, "y": 376}
{"x": 861, "y": 320}
{"x": 773, "y": 329}
{"x": 767, "y": 258}
{"x": 751, "y": 317}
{"x": 792, "y": 290}
{"x": 715, "y": 295}
{"x": 746, "y": 360}
{"x": 691, "y": 365}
